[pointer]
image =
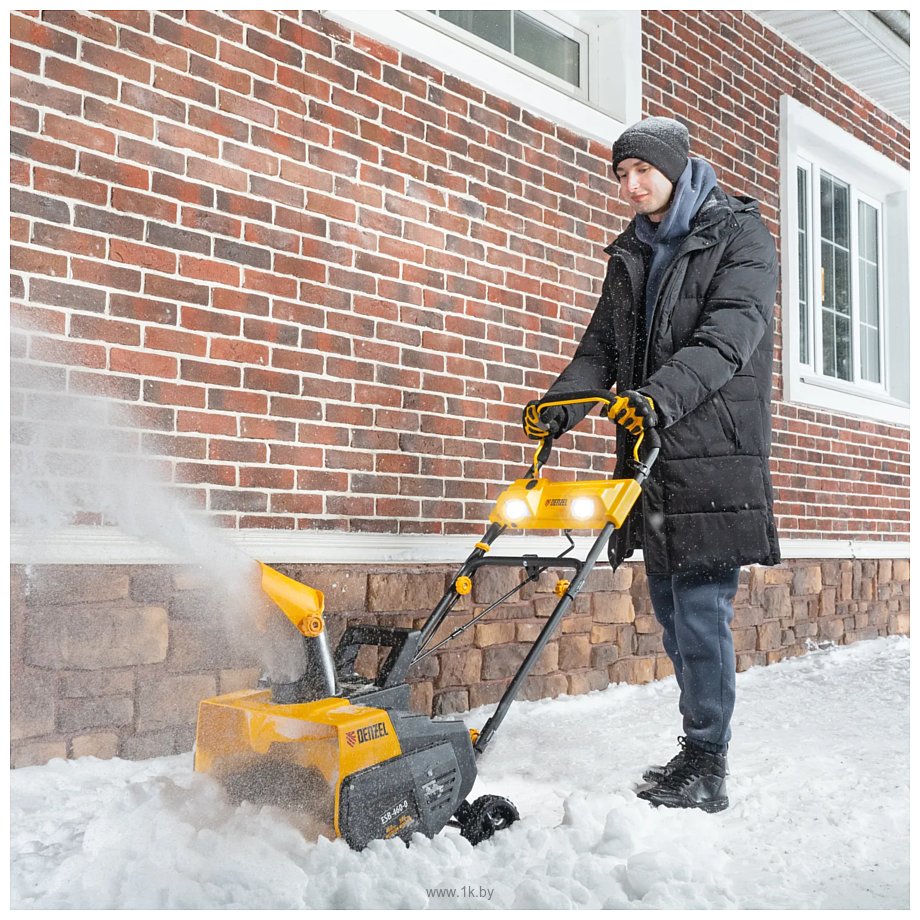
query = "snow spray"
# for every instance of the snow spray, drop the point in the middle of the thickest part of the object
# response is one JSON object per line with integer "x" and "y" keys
{"x": 80, "y": 459}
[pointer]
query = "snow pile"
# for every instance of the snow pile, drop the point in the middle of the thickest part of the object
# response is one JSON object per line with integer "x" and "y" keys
{"x": 818, "y": 815}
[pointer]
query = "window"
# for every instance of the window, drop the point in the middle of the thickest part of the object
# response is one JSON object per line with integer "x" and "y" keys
{"x": 543, "y": 45}
{"x": 578, "y": 68}
{"x": 844, "y": 271}
{"x": 839, "y": 319}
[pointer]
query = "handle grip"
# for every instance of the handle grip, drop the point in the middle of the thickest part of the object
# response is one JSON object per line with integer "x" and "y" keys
{"x": 614, "y": 405}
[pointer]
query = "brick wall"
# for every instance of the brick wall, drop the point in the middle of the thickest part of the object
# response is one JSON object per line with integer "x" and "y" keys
{"x": 323, "y": 276}
{"x": 330, "y": 274}
{"x": 74, "y": 695}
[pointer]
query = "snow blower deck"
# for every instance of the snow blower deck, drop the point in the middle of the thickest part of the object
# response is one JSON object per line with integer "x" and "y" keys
{"x": 348, "y": 749}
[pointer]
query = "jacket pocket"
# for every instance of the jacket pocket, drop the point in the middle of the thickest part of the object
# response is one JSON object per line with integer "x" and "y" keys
{"x": 726, "y": 420}
{"x": 744, "y": 411}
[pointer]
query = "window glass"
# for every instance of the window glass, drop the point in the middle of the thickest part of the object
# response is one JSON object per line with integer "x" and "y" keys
{"x": 493, "y": 26}
{"x": 523, "y": 36}
{"x": 545, "y": 48}
{"x": 836, "y": 330}
{"x": 804, "y": 273}
{"x": 869, "y": 293}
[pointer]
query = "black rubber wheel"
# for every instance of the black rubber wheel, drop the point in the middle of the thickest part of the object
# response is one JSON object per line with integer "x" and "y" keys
{"x": 488, "y": 814}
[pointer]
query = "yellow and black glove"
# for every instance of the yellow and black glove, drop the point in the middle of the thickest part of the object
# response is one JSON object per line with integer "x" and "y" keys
{"x": 634, "y": 411}
{"x": 550, "y": 423}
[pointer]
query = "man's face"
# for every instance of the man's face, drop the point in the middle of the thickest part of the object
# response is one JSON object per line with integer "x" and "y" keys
{"x": 647, "y": 190}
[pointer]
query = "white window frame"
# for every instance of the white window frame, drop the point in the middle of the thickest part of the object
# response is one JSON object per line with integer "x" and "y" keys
{"x": 614, "y": 78}
{"x": 813, "y": 368}
{"x": 512, "y": 60}
{"x": 809, "y": 141}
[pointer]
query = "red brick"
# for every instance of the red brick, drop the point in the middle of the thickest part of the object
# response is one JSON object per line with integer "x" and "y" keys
{"x": 97, "y": 29}
{"x": 116, "y": 116}
{"x": 208, "y": 270}
{"x": 28, "y": 31}
{"x": 32, "y": 261}
{"x": 240, "y": 302}
{"x": 237, "y": 401}
{"x": 160, "y": 260}
{"x": 25, "y": 60}
{"x": 211, "y": 374}
{"x": 267, "y": 478}
{"x": 41, "y": 94}
{"x": 137, "y": 203}
{"x": 104, "y": 329}
{"x": 55, "y": 237}
{"x": 159, "y": 339}
{"x": 170, "y": 394}
{"x": 239, "y": 351}
{"x": 246, "y": 108}
{"x": 184, "y": 37}
{"x": 186, "y": 192}
{"x": 105, "y": 275}
{"x": 61, "y": 351}
{"x": 114, "y": 172}
{"x": 125, "y": 65}
{"x": 105, "y": 384}
{"x": 273, "y": 381}
{"x": 32, "y": 148}
{"x": 171, "y": 289}
{"x": 264, "y": 429}
{"x": 144, "y": 363}
{"x": 90, "y": 81}
{"x": 234, "y": 451}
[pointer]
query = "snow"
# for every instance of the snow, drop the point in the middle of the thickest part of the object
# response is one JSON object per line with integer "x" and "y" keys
{"x": 818, "y": 816}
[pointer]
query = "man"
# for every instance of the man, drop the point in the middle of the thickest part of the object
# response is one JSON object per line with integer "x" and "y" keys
{"x": 683, "y": 328}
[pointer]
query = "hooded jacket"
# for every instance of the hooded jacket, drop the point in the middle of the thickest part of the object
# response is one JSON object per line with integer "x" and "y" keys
{"x": 706, "y": 362}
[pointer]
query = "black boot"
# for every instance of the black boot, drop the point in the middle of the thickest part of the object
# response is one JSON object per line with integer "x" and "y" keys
{"x": 699, "y": 782}
{"x": 658, "y": 773}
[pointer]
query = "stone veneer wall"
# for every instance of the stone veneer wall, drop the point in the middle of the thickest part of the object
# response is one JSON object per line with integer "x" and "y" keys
{"x": 113, "y": 660}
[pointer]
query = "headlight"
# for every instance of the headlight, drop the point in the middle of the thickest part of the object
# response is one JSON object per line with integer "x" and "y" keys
{"x": 583, "y": 508}
{"x": 516, "y": 509}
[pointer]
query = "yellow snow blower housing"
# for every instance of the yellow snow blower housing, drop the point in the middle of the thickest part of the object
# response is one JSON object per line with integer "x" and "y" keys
{"x": 254, "y": 746}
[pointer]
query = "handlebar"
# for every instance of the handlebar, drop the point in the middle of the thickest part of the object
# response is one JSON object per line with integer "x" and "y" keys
{"x": 649, "y": 436}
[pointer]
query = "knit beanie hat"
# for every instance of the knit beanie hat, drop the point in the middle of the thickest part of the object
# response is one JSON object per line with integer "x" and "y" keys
{"x": 663, "y": 142}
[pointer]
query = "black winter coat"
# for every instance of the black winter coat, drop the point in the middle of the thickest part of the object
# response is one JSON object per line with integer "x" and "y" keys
{"x": 707, "y": 365}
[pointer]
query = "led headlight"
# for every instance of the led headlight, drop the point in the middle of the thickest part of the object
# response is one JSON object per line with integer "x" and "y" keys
{"x": 516, "y": 509}
{"x": 583, "y": 508}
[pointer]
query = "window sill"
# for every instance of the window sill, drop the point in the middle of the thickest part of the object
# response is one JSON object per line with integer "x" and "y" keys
{"x": 846, "y": 399}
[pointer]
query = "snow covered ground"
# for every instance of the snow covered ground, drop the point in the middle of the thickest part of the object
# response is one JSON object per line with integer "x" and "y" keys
{"x": 818, "y": 816}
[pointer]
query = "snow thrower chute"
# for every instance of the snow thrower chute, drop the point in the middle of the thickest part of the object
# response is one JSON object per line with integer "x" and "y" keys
{"x": 348, "y": 749}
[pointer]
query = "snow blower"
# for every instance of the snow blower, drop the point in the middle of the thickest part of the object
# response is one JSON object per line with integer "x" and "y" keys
{"x": 348, "y": 749}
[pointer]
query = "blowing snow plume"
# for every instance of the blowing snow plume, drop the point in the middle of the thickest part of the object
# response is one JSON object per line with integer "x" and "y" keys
{"x": 80, "y": 459}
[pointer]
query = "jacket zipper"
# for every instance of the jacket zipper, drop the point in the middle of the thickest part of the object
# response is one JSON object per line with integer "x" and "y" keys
{"x": 681, "y": 253}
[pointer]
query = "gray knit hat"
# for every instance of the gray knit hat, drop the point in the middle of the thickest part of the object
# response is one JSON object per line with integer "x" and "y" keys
{"x": 663, "y": 142}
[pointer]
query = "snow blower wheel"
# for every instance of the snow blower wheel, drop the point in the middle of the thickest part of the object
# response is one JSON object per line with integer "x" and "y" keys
{"x": 488, "y": 814}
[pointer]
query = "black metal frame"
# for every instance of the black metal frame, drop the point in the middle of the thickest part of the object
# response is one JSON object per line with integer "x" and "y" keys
{"x": 411, "y": 646}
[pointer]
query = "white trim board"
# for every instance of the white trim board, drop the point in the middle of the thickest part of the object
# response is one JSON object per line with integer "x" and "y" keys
{"x": 108, "y": 546}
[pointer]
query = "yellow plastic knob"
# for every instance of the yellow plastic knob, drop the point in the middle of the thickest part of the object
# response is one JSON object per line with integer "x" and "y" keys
{"x": 463, "y": 585}
{"x": 562, "y": 586}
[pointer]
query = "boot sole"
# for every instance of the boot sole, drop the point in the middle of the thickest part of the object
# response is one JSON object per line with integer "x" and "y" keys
{"x": 716, "y": 805}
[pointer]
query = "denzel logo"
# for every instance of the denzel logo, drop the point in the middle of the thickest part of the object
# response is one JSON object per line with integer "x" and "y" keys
{"x": 556, "y": 502}
{"x": 368, "y": 733}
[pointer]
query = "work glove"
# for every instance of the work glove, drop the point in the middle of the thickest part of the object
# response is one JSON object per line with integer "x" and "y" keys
{"x": 550, "y": 423}
{"x": 634, "y": 412}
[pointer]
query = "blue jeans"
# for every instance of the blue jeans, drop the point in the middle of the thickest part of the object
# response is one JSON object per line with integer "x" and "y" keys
{"x": 695, "y": 610}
